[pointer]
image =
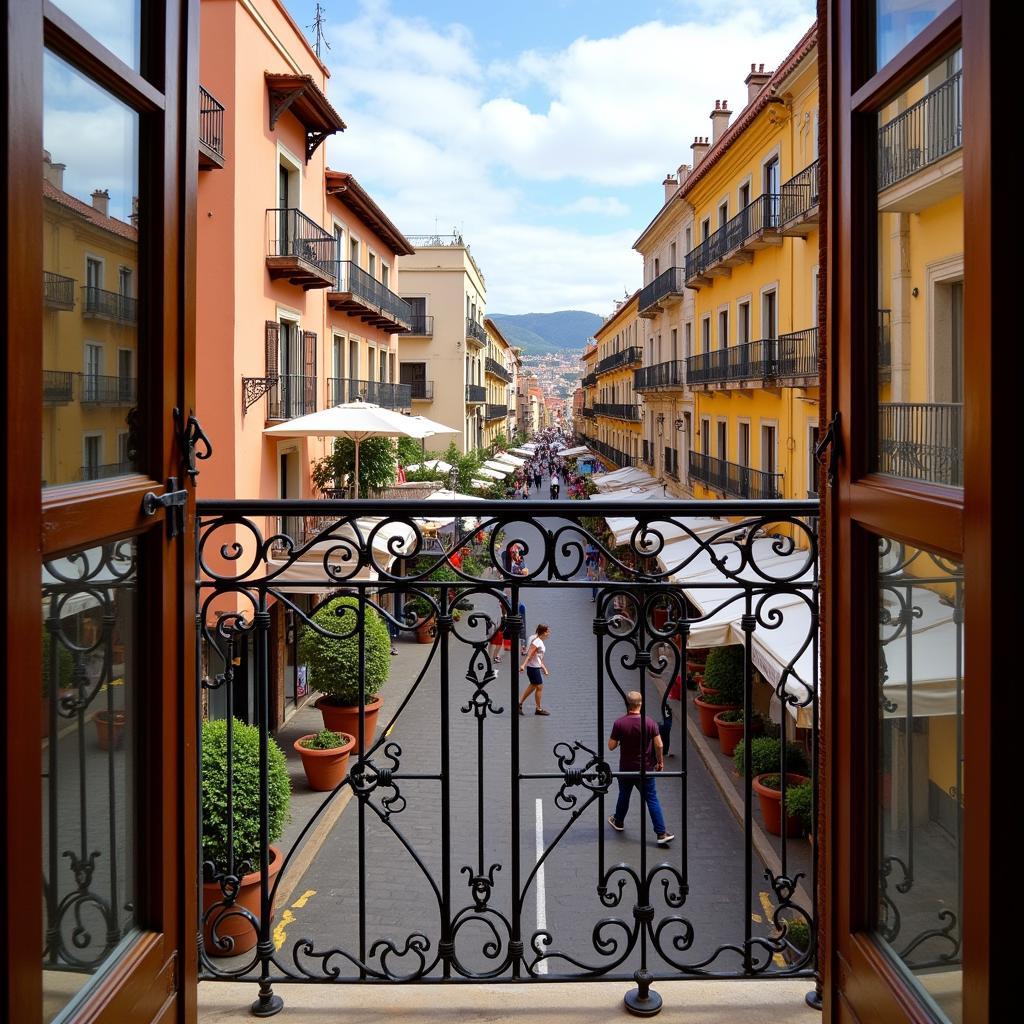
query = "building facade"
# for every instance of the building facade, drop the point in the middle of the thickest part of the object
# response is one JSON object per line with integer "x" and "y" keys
{"x": 442, "y": 359}
{"x": 618, "y": 411}
{"x": 500, "y": 362}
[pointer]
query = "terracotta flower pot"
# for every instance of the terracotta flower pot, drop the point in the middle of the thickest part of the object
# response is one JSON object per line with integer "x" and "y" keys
{"x": 730, "y": 733}
{"x": 109, "y": 729}
{"x": 707, "y": 693}
{"x": 707, "y": 712}
{"x": 659, "y": 617}
{"x": 425, "y": 632}
{"x": 771, "y": 805}
{"x": 325, "y": 769}
{"x": 230, "y": 924}
{"x": 345, "y": 718}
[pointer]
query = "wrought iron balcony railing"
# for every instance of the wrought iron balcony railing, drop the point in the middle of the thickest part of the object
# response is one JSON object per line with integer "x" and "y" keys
{"x": 734, "y": 479}
{"x": 661, "y": 375}
{"x": 587, "y": 412}
{"x": 922, "y": 134}
{"x": 475, "y": 332}
{"x": 647, "y": 455}
{"x": 97, "y": 389}
{"x": 800, "y": 195}
{"x": 618, "y": 411}
{"x": 299, "y": 250}
{"x": 452, "y": 775}
{"x": 476, "y": 393}
{"x": 107, "y": 470}
{"x": 421, "y": 390}
{"x": 386, "y": 394}
{"x": 791, "y": 356}
{"x": 357, "y": 292}
{"x": 670, "y": 284}
{"x": 421, "y": 325}
{"x": 495, "y": 412}
{"x": 922, "y": 441}
{"x": 293, "y": 395}
{"x": 58, "y": 291}
{"x": 590, "y": 380}
{"x": 211, "y": 130}
{"x": 492, "y": 366}
{"x": 57, "y": 386}
{"x": 104, "y": 305}
{"x": 624, "y": 357}
{"x": 758, "y": 218}
{"x": 611, "y": 453}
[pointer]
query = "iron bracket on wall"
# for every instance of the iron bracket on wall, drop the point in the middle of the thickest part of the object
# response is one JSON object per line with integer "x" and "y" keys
{"x": 254, "y": 388}
{"x": 173, "y": 500}
{"x": 191, "y": 433}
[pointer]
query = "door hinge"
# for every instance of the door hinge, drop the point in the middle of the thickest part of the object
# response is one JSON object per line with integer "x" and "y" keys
{"x": 832, "y": 443}
{"x": 191, "y": 433}
{"x": 173, "y": 501}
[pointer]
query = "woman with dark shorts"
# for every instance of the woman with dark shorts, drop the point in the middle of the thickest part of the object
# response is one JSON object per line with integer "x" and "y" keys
{"x": 536, "y": 670}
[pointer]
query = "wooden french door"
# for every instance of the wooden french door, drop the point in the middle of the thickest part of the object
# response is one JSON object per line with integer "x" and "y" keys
{"x": 98, "y": 854}
{"x": 920, "y": 573}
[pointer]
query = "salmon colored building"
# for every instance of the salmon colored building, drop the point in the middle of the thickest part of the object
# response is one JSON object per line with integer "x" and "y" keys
{"x": 296, "y": 272}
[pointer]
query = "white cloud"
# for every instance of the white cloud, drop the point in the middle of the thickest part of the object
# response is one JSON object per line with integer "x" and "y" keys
{"x": 605, "y": 206}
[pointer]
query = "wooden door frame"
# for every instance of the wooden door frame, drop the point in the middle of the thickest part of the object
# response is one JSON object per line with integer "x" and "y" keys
{"x": 156, "y": 977}
{"x": 859, "y": 979}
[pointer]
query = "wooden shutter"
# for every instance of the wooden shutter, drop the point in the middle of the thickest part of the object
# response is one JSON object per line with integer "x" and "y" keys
{"x": 309, "y": 370}
{"x": 273, "y": 336}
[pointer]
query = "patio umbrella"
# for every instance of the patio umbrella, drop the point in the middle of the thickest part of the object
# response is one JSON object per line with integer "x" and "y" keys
{"x": 356, "y": 420}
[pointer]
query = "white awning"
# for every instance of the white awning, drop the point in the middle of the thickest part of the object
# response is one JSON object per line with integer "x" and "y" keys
{"x": 480, "y": 485}
{"x": 528, "y": 452}
{"x": 491, "y": 474}
{"x": 502, "y": 469}
{"x": 622, "y": 527}
{"x": 438, "y": 465}
{"x": 572, "y": 453}
{"x": 654, "y": 492}
{"x": 628, "y": 476}
{"x": 510, "y": 459}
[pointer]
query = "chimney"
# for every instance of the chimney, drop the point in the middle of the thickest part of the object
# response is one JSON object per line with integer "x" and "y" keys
{"x": 101, "y": 201}
{"x": 719, "y": 120}
{"x": 755, "y": 81}
{"x": 670, "y": 185}
{"x": 682, "y": 173}
{"x": 53, "y": 173}
{"x": 699, "y": 147}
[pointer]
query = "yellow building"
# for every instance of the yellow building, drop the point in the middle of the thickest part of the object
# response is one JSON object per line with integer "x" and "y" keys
{"x": 585, "y": 426}
{"x": 754, "y": 271}
{"x": 90, "y": 331}
{"x": 499, "y": 377}
{"x": 617, "y": 421}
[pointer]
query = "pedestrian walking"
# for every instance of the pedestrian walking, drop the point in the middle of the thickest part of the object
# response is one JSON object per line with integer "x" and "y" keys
{"x": 639, "y": 740}
{"x": 535, "y": 668}
{"x": 538, "y": 476}
{"x": 555, "y": 486}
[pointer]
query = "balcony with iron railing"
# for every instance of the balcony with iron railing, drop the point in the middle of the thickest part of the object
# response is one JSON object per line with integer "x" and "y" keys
{"x": 618, "y": 360}
{"x": 789, "y": 360}
{"x": 99, "y": 304}
{"x": 733, "y": 479}
{"x": 98, "y": 389}
{"x": 587, "y": 412}
{"x": 475, "y": 332}
{"x": 666, "y": 289}
{"x": 421, "y": 390}
{"x": 475, "y": 394}
{"x": 421, "y": 325}
{"x": 299, "y": 250}
{"x": 495, "y": 412}
{"x": 211, "y": 131}
{"x": 920, "y": 138}
{"x": 590, "y": 380}
{"x": 922, "y": 441}
{"x": 107, "y": 470}
{"x": 58, "y": 386}
{"x": 293, "y": 395}
{"x": 755, "y": 227}
{"x": 611, "y": 453}
{"x": 799, "y": 210}
{"x": 58, "y": 291}
{"x": 359, "y": 294}
{"x": 670, "y": 376}
{"x": 384, "y": 393}
{"x": 495, "y": 369}
{"x": 618, "y": 411}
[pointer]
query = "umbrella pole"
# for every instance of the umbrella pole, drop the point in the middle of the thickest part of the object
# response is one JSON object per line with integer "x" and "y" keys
{"x": 357, "y": 469}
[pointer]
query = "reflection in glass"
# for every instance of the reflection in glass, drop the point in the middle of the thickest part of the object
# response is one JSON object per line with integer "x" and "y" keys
{"x": 897, "y": 22}
{"x": 90, "y": 280}
{"x": 88, "y": 765}
{"x": 920, "y": 318}
{"x": 920, "y": 773}
{"x": 114, "y": 23}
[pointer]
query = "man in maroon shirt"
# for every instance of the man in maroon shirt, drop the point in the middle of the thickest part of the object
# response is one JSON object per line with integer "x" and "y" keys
{"x": 640, "y": 741}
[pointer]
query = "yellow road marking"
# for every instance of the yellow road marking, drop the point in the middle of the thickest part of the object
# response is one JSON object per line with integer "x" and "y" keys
{"x": 756, "y": 918}
{"x": 279, "y": 932}
{"x": 303, "y": 899}
{"x": 769, "y": 909}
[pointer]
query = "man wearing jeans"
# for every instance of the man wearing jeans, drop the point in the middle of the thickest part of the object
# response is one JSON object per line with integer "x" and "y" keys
{"x": 640, "y": 741}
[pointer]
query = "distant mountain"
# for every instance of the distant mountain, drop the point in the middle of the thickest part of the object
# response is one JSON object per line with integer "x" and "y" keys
{"x": 548, "y": 332}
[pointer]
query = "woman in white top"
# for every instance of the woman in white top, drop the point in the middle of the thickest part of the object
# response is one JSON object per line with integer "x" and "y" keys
{"x": 533, "y": 662}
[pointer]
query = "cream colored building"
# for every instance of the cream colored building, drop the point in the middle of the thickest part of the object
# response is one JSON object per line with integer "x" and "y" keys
{"x": 499, "y": 380}
{"x": 443, "y": 357}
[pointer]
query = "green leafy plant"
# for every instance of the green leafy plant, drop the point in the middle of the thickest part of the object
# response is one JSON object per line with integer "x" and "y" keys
{"x": 325, "y": 739}
{"x": 245, "y": 792}
{"x": 799, "y": 804}
{"x": 766, "y": 756}
{"x": 737, "y": 716}
{"x": 377, "y": 464}
{"x": 410, "y": 451}
{"x": 334, "y": 660}
{"x": 724, "y": 674}
{"x": 798, "y": 934}
{"x": 65, "y": 663}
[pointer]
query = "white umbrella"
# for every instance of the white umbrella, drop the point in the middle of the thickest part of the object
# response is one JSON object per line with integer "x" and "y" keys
{"x": 357, "y": 420}
{"x": 510, "y": 459}
{"x": 498, "y": 467}
{"x": 493, "y": 474}
{"x": 431, "y": 427}
{"x": 438, "y": 465}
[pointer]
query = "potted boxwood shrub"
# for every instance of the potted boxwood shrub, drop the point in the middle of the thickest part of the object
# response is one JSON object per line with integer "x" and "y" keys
{"x": 730, "y": 729}
{"x": 227, "y": 931}
{"x": 424, "y": 615}
{"x": 334, "y": 665}
{"x": 797, "y": 939}
{"x": 324, "y": 757}
{"x": 799, "y": 805}
{"x": 723, "y": 686}
{"x": 109, "y": 729}
{"x": 765, "y": 764}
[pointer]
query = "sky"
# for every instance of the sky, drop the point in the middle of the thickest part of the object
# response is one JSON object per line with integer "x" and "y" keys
{"x": 541, "y": 130}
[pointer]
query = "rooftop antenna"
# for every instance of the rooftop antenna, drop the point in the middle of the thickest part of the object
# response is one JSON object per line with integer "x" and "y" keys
{"x": 319, "y": 20}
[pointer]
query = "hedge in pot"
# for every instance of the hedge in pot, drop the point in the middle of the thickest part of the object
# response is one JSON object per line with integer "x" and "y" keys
{"x": 797, "y": 938}
{"x": 766, "y": 763}
{"x": 324, "y": 758}
{"x": 722, "y": 689}
{"x": 799, "y": 805}
{"x": 334, "y": 664}
{"x": 227, "y": 931}
{"x": 730, "y": 729}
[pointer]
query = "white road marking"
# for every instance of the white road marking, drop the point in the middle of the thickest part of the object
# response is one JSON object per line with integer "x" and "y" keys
{"x": 542, "y": 917}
